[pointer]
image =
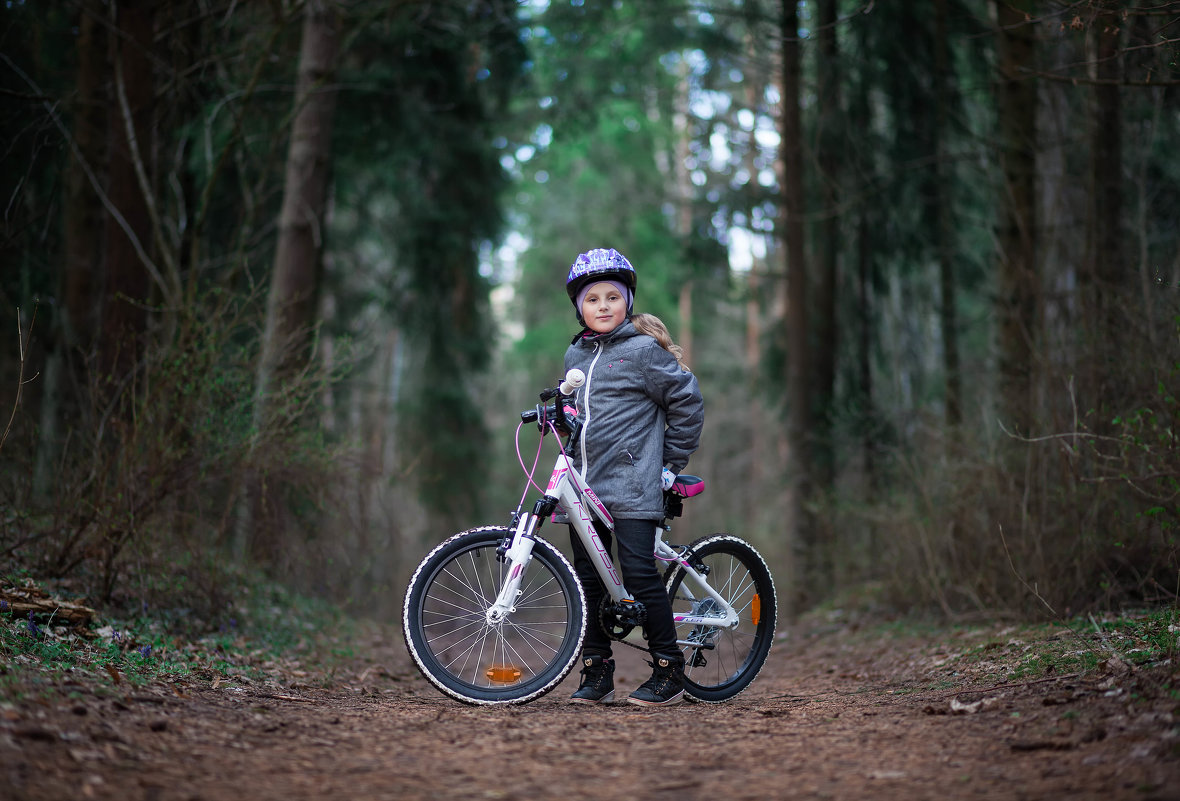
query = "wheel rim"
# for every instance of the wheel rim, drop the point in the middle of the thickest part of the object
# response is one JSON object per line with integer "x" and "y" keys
{"x": 508, "y": 656}
{"x": 724, "y": 657}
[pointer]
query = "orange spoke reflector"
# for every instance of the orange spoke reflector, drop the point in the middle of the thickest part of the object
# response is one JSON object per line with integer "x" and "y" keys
{"x": 503, "y": 674}
{"x": 756, "y": 609}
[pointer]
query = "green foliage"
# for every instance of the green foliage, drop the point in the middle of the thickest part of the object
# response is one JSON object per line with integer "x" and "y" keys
{"x": 267, "y": 633}
{"x": 575, "y": 124}
{"x": 590, "y": 165}
{"x": 423, "y": 104}
{"x": 1079, "y": 645}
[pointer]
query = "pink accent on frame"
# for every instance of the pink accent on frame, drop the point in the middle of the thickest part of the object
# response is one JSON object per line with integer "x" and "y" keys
{"x": 556, "y": 477}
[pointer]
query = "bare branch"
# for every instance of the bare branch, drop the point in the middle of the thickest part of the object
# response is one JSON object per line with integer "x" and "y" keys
{"x": 170, "y": 288}
{"x": 22, "y": 343}
{"x": 95, "y": 184}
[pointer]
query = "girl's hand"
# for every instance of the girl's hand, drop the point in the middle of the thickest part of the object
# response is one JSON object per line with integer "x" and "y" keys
{"x": 667, "y": 479}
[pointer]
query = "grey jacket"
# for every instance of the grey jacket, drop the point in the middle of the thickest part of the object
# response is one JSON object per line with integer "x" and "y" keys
{"x": 640, "y": 411}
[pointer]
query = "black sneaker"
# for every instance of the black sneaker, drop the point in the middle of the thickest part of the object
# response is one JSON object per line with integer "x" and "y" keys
{"x": 666, "y": 685}
{"x": 598, "y": 681}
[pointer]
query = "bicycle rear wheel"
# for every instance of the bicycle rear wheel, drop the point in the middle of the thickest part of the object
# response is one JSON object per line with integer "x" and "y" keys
{"x": 512, "y": 662}
{"x": 720, "y": 662}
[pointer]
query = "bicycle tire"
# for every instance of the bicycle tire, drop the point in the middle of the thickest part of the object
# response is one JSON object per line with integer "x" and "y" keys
{"x": 456, "y": 649}
{"x": 728, "y": 659}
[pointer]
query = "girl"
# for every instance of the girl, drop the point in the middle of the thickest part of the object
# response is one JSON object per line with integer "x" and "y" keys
{"x": 642, "y": 417}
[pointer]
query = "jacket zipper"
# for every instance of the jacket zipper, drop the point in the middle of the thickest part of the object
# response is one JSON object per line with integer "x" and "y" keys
{"x": 586, "y": 424}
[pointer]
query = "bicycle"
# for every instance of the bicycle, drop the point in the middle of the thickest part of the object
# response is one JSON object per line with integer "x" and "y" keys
{"x": 496, "y": 614}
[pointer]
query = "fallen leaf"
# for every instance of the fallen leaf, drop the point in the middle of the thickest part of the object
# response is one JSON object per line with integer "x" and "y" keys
{"x": 970, "y": 708}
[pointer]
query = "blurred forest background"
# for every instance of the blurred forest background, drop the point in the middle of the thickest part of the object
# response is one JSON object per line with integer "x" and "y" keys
{"x": 278, "y": 277}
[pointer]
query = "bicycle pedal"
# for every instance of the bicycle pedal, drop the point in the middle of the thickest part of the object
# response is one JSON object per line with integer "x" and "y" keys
{"x": 698, "y": 659}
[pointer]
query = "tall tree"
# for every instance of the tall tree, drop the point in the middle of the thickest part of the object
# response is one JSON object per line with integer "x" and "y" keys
{"x": 129, "y": 249}
{"x": 830, "y": 159}
{"x": 292, "y": 305}
{"x": 75, "y": 320}
{"x": 1018, "y": 298}
{"x": 939, "y": 198}
{"x": 799, "y": 398}
{"x": 291, "y": 311}
{"x": 1105, "y": 275}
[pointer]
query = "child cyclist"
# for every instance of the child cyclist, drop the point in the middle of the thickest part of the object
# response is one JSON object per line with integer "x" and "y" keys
{"x": 642, "y": 416}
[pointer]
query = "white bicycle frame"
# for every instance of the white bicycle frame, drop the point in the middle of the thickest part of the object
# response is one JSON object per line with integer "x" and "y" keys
{"x": 581, "y": 506}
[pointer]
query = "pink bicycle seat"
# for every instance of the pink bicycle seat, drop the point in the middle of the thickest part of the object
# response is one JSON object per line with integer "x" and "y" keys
{"x": 687, "y": 486}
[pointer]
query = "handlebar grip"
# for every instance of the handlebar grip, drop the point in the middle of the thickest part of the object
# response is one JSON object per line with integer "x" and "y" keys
{"x": 528, "y": 417}
{"x": 573, "y": 379}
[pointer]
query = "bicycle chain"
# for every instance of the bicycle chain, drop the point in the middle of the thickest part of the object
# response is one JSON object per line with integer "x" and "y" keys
{"x": 683, "y": 549}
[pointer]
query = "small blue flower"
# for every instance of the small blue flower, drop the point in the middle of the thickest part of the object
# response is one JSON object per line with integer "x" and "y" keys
{"x": 36, "y": 632}
{"x": 3, "y": 605}
{"x": 145, "y": 651}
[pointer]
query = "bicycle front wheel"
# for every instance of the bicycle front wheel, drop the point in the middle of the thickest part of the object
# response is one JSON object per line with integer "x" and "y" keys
{"x": 510, "y": 662}
{"x": 720, "y": 662}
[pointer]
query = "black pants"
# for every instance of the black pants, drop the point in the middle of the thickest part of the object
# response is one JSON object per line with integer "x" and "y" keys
{"x": 635, "y": 546}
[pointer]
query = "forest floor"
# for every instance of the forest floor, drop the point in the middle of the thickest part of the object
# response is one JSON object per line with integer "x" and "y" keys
{"x": 840, "y": 711}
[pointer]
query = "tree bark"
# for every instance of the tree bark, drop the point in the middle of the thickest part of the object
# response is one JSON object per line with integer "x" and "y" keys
{"x": 298, "y": 266}
{"x": 75, "y": 320}
{"x": 128, "y": 240}
{"x": 942, "y": 199}
{"x": 831, "y": 156}
{"x": 798, "y": 372}
{"x": 1104, "y": 274}
{"x": 82, "y": 219}
{"x": 684, "y": 193}
{"x": 292, "y": 305}
{"x": 1018, "y": 299}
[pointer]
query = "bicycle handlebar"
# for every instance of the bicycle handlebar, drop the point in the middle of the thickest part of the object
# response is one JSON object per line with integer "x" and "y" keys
{"x": 544, "y": 413}
{"x": 574, "y": 379}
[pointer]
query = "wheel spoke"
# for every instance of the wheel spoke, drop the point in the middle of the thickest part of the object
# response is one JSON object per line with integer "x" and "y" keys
{"x": 449, "y": 636}
{"x": 728, "y": 659}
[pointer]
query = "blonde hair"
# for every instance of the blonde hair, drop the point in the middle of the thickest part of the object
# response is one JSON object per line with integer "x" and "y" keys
{"x": 654, "y": 327}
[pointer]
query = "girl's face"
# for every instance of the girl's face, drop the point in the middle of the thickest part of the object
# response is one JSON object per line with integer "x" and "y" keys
{"x": 603, "y": 308}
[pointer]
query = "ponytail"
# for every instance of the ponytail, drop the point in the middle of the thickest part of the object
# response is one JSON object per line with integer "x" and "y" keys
{"x": 654, "y": 327}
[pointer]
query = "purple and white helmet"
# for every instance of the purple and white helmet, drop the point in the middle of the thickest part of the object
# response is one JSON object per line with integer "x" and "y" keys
{"x": 600, "y": 264}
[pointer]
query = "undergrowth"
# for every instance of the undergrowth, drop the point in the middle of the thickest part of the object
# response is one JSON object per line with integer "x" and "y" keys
{"x": 1081, "y": 645}
{"x": 269, "y": 636}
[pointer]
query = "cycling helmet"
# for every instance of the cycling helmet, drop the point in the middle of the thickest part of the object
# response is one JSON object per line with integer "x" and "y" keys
{"x": 600, "y": 264}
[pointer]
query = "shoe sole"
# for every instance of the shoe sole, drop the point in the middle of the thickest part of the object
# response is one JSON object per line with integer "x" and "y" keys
{"x": 606, "y": 699}
{"x": 676, "y": 699}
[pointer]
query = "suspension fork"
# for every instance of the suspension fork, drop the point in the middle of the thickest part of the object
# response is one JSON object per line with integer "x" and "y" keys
{"x": 517, "y": 556}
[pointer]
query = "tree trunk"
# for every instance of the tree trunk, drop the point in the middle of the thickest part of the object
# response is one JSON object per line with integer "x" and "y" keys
{"x": 128, "y": 240}
{"x": 1018, "y": 298}
{"x": 1105, "y": 273}
{"x": 754, "y": 87}
{"x": 798, "y": 375}
{"x": 292, "y": 305}
{"x": 295, "y": 281}
{"x": 831, "y": 156}
{"x": 75, "y": 319}
{"x": 684, "y": 194}
{"x": 82, "y": 219}
{"x": 942, "y": 199}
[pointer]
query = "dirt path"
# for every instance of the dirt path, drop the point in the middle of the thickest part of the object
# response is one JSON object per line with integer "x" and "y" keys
{"x": 834, "y": 715}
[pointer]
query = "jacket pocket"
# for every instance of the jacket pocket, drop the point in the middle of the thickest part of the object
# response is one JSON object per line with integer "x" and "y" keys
{"x": 632, "y": 478}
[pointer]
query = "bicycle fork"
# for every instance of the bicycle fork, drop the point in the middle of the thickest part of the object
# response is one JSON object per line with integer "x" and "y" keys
{"x": 517, "y": 555}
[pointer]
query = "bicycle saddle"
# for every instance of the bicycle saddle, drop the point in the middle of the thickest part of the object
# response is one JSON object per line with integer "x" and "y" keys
{"x": 687, "y": 486}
